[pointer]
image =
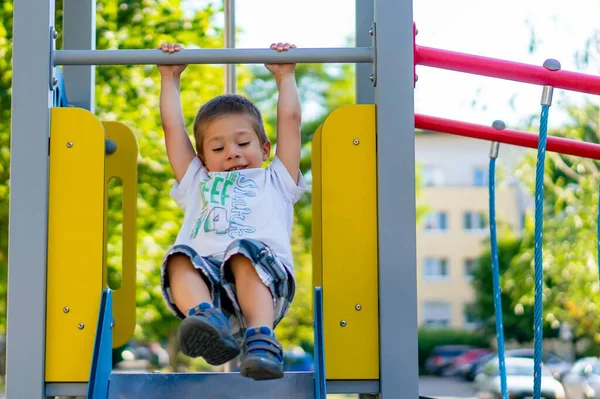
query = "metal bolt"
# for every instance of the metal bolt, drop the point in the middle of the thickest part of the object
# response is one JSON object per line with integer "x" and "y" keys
{"x": 372, "y": 77}
{"x": 371, "y": 31}
{"x": 356, "y": 141}
{"x": 499, "y": 125}
{"x": 416, "y": 78}
{"x": 54, "y": 81}
{"x": 80, "y": 326}
{"x": 343, "y": 323}
{"x": 358, "y": 306}
{"x": 55, "y": 34}
{"x": 66, "y": 309}
{"x": 69, "y": 144}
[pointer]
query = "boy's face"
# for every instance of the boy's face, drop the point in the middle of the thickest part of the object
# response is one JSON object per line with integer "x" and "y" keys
{"x": 230, "y": 143}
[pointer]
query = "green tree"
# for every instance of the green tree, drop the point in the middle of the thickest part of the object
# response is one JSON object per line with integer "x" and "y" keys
{"x": 517, "y": 318}
{"x": 569, "y": 235}
{"x": 6, "y": 29}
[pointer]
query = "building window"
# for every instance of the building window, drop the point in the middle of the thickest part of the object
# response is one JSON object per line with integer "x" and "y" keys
{"x": 475, "y": 221}
{"x": 479, "y": 177}
{"x": 436, "y": 268}
{"x": 469, "y": 265}
{"x": 436, "y": 221}
{"x": 432, "y": 176}
{"x": 470, "y": 316}
{"x": 437, "y": 314}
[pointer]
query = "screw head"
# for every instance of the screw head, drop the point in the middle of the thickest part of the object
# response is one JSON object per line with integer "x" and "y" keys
{"x": 69, "y": 144}
{"x": 343, "y": 323}
{"x": 356, "y": 141}
{"x": 372, "y": 78}
{"x": 66, "y": 309}
{"x": 54, "y": 81}
{"x": 499, "y": 125}
{"x": 55, "y": 34}
{"x": 371, "y": 31}
{"x": 80, "y": 326}
{"x": 358, "y": 306}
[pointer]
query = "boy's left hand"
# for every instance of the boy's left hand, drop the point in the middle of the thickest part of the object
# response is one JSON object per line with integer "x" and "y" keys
{"x": 281, "y": 69}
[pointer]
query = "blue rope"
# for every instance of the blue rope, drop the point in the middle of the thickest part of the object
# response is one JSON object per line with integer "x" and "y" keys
{"x": 496, "y": 279}
{"x": 539, "y": 277}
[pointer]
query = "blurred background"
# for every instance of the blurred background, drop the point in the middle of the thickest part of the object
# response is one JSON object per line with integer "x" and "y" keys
{"x": 455, "y": 302}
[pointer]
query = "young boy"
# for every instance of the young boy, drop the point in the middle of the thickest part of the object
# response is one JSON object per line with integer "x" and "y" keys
{"x": 230, "y": 273}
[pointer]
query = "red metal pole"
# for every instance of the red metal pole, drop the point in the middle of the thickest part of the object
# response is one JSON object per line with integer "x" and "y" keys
{"x": 523, "y": 139}
{"x": 509, "y": 70}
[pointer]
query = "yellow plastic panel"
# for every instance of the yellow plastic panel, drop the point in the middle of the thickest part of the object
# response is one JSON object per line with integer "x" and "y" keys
{"x": 349, "y": 243}
{"x": 75, "y": 243}
{"x": 122, "y": 164}
{"x": 316, "y": 209}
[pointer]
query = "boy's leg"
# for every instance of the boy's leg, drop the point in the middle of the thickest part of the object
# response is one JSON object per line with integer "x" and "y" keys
{"x": 254, "y": 297}
{"x": 205, "y": 331}
{"x": 261, "y": 289}
{"x": 188, "y": 288}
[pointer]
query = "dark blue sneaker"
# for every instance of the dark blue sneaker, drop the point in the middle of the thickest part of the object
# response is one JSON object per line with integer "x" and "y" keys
{"x": 206, "y": 332}
{"x": 263, "y": 355}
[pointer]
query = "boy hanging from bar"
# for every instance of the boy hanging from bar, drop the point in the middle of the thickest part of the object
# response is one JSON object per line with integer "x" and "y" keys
{"x": 229, "y": 275}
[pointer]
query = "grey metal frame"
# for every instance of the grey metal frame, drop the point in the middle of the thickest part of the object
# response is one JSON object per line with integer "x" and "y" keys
{"x": 29, "y": 171}
{"x": 212, "y": 56}
{"x": 28, "y": 219}
{"x": 394, "y": 96}
{"x": 229, "y": 41}
{"x": 79, "y": 33}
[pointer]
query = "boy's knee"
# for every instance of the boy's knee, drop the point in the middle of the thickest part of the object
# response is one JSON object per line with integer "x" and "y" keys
{"x": 240, "y": 263}
{"x": 177, "y": 262}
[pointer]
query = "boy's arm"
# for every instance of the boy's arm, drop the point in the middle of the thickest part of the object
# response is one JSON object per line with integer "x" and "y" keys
{"x": 289, "y": 114}
{"x": 179, "y": 146}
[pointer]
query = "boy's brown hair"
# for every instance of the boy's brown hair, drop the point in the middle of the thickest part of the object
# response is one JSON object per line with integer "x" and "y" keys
{"x": 225, "y": 105}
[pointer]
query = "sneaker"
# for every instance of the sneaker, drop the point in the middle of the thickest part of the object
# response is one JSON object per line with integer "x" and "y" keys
{"x": 206, "y": 332}
{"x": 263, "y": 355}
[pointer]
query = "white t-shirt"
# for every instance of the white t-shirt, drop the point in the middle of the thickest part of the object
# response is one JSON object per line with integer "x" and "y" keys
{"x": 250, "y": 203}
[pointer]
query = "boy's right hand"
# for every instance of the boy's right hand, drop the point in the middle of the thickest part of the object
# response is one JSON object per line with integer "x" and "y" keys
{"x": 171, "y": 69}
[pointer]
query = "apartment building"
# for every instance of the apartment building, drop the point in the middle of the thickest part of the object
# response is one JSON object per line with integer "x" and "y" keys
{"x": 453, "y": 233}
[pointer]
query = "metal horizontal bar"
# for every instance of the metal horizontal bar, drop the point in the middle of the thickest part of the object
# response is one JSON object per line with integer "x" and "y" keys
{"x": 509, "y": 70}
{"x": 508, "y": 136}
{"x": 221, "y": 385}
{"x": 214, "y": 56}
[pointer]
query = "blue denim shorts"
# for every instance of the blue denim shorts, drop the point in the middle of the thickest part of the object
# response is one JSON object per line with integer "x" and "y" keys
{"x": 274, "y": 274}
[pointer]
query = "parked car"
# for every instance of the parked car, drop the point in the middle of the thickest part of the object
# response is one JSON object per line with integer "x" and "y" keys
{"x": 519, "y": 380}
{"x": 583, "y": 380}
{"x": 476, "y": 366}
{"x": 442, "y": 356}
{"x": 462, "y": 364}
{"x": 555, "y": 364}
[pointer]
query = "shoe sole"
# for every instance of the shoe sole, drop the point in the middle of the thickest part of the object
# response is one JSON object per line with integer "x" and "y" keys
{"x": 260, "y": 369}
{"x": 197, "y": 338}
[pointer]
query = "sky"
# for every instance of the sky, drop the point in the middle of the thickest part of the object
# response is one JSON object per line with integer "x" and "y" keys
{"x": 482, "y": 27}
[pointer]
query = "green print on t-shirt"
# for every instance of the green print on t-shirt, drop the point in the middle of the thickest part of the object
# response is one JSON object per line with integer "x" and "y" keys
{"x": 216, "y": 196}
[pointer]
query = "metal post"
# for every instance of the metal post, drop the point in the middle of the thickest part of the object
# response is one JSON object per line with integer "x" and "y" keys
{"x": 394, "y": 96}
{"x": 28, "y": 219}
{"x": 213, "y": 56}
{"x": 229, "y": 7}
{"x": 365, "y": 93}
{"x": 79, "y": 33}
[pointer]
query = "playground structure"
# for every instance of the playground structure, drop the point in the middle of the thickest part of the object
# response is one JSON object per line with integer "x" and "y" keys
{"x": 62, "y": 322}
